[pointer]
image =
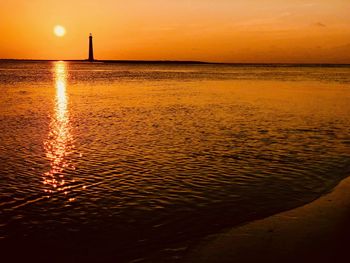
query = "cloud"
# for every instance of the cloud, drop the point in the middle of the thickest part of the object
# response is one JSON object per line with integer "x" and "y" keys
{"x": 319, "y": 24}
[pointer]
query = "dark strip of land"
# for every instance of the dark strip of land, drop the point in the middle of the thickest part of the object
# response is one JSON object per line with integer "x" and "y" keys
{"x": 187, "y": 62}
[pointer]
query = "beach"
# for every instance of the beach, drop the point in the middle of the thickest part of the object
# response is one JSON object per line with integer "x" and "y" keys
{"x": 316, "y": 232}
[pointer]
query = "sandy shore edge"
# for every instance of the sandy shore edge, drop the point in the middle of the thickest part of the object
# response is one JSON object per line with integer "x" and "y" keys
{"x": 316, "y": 232}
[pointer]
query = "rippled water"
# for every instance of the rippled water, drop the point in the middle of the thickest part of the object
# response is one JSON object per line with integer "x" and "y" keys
{"x": 117, "y": 162}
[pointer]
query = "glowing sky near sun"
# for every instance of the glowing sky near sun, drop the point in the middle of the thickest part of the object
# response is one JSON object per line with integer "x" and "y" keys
{"x": 222, "y": 30}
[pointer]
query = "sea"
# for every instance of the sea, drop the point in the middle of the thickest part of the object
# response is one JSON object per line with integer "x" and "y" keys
{"x": 136, "y": 162}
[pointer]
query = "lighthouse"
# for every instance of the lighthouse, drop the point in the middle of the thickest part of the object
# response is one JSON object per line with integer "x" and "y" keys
{"x": 91, "y": 49}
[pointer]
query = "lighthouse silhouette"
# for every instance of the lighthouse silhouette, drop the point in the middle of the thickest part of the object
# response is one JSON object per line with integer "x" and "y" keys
{"x": 91, "y": 49}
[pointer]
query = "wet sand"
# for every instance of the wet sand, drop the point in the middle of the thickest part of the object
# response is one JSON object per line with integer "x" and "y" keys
{"x": 316, "y": 232}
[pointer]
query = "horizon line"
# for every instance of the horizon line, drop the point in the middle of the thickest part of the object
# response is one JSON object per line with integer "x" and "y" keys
{"x": 180, "y": 62}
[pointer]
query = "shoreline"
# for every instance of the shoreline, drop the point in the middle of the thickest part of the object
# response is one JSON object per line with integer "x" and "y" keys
{"x": 316, "y": 232}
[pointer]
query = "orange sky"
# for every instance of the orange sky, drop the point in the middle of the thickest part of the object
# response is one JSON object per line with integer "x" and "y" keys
{"x": 208, "y": 30}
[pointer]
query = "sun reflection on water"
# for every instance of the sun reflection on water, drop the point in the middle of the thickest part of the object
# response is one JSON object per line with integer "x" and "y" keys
{"x": 59, "y": 144}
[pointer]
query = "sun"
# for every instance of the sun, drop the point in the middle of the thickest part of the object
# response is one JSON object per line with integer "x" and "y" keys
{"x": 59, "y": 31}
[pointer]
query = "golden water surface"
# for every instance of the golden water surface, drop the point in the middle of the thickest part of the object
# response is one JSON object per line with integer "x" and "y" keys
{"x": 124, "y": 159}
